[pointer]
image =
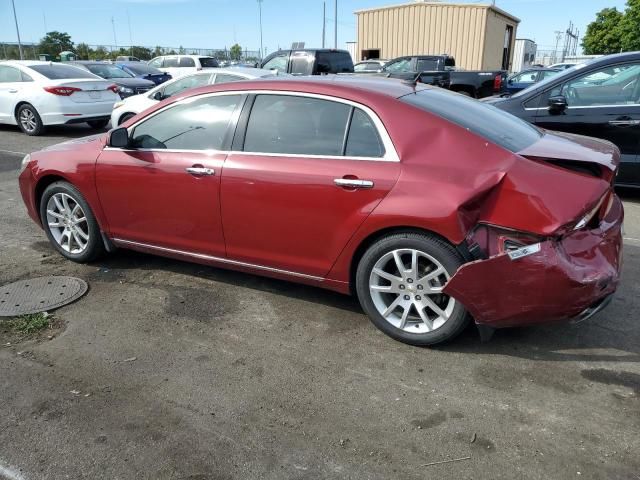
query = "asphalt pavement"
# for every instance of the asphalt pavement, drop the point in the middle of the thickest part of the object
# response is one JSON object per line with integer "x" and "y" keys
{"x": 170, "y": 370}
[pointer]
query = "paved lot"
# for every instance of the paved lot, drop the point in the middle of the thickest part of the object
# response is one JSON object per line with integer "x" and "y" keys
{"x": 172, "y": 370}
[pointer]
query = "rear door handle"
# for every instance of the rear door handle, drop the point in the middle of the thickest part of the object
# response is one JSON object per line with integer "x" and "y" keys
{"x": 624, "y": 123}
{"x": 200, "y": 171}
{"x": 353, "y": 183}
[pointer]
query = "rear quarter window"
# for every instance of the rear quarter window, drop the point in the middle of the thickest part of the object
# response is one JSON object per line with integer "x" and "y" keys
{"x": 334, "y": 62}
{"x": 484, "y": 120}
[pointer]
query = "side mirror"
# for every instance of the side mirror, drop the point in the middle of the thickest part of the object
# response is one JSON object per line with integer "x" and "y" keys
{"x": 119, "y": 138}
{"x": 510, "y": 81}
{"x": 158, "y": 95}
{"x": 558, "y": 103}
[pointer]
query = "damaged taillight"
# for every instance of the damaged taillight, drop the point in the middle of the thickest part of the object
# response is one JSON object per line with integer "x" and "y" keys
{"x": 593, "y": 213}
{"x": 487, "y": 241}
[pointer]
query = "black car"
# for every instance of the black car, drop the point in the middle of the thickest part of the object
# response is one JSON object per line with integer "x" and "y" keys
{"x": 309, "y": 61}
{"x": 127, "y": 84}
{"x": 524, "y": 79}
{"x": 598, "y": 99}
{"x": 144, "y": 71}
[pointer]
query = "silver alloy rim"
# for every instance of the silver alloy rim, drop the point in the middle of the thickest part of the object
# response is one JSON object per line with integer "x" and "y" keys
{"x": 28, "y": 120}
{"x": 67, "y": 223}
{"x": 406, "y": 288}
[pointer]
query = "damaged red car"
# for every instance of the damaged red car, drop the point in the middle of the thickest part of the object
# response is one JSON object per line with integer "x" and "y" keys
{"x": 432, "y": 208}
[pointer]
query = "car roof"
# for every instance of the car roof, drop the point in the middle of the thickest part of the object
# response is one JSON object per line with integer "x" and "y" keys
{"x": 29, "y": 63}
{"x": 248, "y": 71}
{"x": 343, "y": 86}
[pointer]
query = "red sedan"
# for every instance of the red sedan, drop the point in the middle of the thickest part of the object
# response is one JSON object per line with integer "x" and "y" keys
{"x": 431, "y": 207}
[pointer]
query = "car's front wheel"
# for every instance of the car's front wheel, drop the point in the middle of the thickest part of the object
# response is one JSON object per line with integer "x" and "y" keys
{"x": 69, "y": 223}
{"x": 29, "y": 120}
{"x": 98, "y": 124}
{"x": 399, "y": 283}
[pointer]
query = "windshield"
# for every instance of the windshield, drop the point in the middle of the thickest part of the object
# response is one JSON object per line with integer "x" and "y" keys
{"x": 143, "y": 69}
{"x": 108, "y": 71}
{"x": 208, "y": 62}
{"x": 484, "y": 120}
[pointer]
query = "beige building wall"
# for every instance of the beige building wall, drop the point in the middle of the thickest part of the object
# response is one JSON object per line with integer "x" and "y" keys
{"x": 434, "y": 28}
{"x": 495, "y": 40}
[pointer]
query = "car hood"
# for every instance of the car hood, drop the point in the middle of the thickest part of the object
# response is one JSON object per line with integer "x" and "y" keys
{"x": 91, "y": 141}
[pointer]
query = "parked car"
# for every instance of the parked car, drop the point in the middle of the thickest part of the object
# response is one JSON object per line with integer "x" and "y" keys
{"x": 410, "y": 197}
{"x": 127, "y": 84}
{"x": 526, "y": 78}
{"x": 368, "y": 66}
{"x": 125, "y": 109}
{"x": 127, "y": 58}
{"x": 178, "y": 65}
{"x": 36, "y": 94}
{"x": 599, "y": 99}
{"x": 563, "y": 66}
{"x": 439, "y": 70}
{"x": 309, "y": 61}
{"x": 144, "y": 71}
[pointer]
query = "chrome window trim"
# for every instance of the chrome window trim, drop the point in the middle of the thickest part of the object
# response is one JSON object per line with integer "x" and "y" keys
{"x": 217, "y": 259}
{"x": 592, "y": 106}
{"x": 390, "y": 155}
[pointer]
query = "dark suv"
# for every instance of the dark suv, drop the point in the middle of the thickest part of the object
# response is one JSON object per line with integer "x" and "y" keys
{"x": 598, "y": 99}
{"x": 310, "y": 61}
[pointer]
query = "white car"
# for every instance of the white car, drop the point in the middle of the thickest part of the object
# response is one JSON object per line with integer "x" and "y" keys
{"x": 36, "y": 94}
{"x": 130, "y": 106}
{"x": 179, "y": 65}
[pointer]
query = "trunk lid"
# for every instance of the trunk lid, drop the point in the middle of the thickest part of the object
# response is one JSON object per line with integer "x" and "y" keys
{"x": 91, "y": 91}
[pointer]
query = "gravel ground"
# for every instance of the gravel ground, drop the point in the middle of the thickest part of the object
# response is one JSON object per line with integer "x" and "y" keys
{"x": 169, "y": 370}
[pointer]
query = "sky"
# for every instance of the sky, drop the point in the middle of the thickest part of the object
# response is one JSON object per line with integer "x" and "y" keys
{"x": 221, "y": 23}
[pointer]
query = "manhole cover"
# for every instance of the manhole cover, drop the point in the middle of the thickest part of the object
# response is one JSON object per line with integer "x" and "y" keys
{"x": 39, "y": 295}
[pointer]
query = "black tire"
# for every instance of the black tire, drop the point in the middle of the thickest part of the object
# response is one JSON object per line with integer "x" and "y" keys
{"x": 125, "y": 117}
{"x": 98, "y": 124}
{"x": 95, "y": 246}
{"x": 33, "y": 126}
{"x": 440, "y": 250}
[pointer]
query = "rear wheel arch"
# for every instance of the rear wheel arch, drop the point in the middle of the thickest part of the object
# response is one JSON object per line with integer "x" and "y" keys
{"x": 373, "y": 237}
{"x": 17, "y": 107}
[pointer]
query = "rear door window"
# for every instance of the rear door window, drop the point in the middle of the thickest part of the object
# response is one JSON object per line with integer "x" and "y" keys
{"x": 208, "y": 62}
{"x": 170, "y": 62}
{"x": 186, "y": 62}
{"x": 9, "y": 74}
{"x": 363, "y": 139}
{"x": 334, "y": 62}
{"x": 296, "y": 125}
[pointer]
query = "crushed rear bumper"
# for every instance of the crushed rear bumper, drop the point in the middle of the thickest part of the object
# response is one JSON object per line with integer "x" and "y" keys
{"x": 569, "y": 278}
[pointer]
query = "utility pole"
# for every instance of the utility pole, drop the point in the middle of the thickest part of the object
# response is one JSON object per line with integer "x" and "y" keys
{"x": 555, "y": 52}
{"x": 113, "y": 26}
{"x": 130, "y": 37}
{"x": 335, "y": 26}
{"x": 44, "y": 21}
{"x": 324, "y": 20}
{"x": 260, "y": 17}
{"x": 15, "y": 18}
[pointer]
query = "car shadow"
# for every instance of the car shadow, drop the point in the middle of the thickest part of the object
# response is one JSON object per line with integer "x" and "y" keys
{"x": 611, "y": 336}
{"x": 59, "y": 131}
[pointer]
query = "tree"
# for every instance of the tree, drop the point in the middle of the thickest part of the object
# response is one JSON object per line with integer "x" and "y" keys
{"x": 235, "y": 52}
{"x": 83, "y": 51}
{"x": 55, "y": 42}
{"x": 630, "y": 27}
{"x": 100, "y": 53}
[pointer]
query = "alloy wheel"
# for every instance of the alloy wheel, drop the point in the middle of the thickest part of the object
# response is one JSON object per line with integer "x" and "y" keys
{"x": 67, "y": 223}
{"x": 28, "y": 120}
{"x": 406, "y": 288}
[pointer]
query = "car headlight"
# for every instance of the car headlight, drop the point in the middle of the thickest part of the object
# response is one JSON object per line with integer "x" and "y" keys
{"x": 125, "y": 90}
{"x": 118, "y": 105}
{"x": 25, "y": 162}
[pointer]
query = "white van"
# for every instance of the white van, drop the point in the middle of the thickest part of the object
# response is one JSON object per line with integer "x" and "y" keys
{"x": 179, "y": 65}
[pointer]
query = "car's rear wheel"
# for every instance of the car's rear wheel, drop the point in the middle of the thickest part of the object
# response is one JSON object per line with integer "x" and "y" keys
{"x": 69, "y": 223}
{"x": 29, "y": 120}
{"x": 98, "y": 123}
{"x": 399, "y": 282}
{"x": 125, "y": 117}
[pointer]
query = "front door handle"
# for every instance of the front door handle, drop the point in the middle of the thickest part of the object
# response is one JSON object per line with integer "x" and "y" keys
{"x": 353, "y": 183}
{"x": 624, "y": 123}
{"x": 13, "y": 90}
{"x": 200, "y": 171}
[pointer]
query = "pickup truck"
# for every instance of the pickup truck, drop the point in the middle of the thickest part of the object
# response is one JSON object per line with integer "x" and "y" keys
{"x": 440, "y": 70}
{"x": 309, "y": 61}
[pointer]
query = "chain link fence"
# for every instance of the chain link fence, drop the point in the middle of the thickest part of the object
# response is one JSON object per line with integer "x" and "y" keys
{"x": 30, "y": 51}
